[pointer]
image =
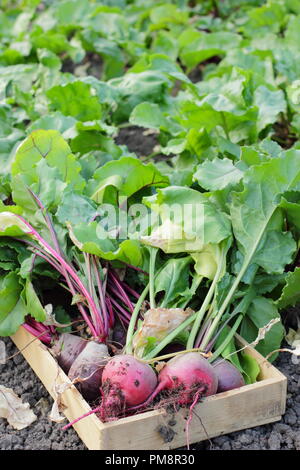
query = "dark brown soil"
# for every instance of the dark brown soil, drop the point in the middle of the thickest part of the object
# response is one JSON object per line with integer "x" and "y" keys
{"x": 136, "y": 140}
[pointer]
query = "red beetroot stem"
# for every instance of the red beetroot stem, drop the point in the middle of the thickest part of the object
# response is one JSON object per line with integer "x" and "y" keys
{"x": 136, "y": 268}
{"x": 70, "y": 270}
{"x": 110, "y": 311}
{"x": 57, "y": 267}
{"x": 100, "y": 322}
{"x": 101, "y": 294}
{"x": 58, "y": 248}
{"x": 42, "y": 253}
{"x": 125, "y": 299}
{"x": 202, "y": 333}
{"x": 121, "y": 311}
{"x": 88, "y": 258}
{"x": 117, "y": 293}
{"x": 44, "y": 336}
{"x": 49, "y": 225}
{"x": 130, "y": 290}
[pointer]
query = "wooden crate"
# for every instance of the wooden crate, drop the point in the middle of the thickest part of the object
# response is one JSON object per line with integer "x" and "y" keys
{"x": 246, "y": 407}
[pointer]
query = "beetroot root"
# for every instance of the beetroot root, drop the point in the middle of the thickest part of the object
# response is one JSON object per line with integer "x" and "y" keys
{"x": 88, "y": 368}
{"x": 229, "y": 377}
{"x": 185, "y": 378}
{"x": 186, "y": 374}
{"x": 126, "y": 381}
{"x": 66, "y": 349}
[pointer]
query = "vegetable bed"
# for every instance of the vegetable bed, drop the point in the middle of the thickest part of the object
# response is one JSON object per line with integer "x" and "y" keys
{"x": 137, "y": 268}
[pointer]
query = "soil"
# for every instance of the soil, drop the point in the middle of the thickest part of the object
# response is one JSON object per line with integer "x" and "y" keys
{"x": 138, "y": 140}
{"x": 46, "y": 435}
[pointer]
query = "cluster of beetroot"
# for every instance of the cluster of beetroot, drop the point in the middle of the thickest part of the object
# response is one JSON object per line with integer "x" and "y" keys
{"x": 127, "y": 384}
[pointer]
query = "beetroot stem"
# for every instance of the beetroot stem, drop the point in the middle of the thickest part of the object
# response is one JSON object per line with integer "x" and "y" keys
{"x": 70, "y": 270}
{"x": 53, "y": 234}
{"x": 125, "y": 299}
{"x": 136, "y": 268}
{"x": 45, "y": 336}
{"x": 118, "y": 307}
{"x": 117, "y": 293}
{"x": 130, "y": 290}
{"x": 110, "y": 311}
{"x": 101, "y": 294}
{"x": 44, "y": 255}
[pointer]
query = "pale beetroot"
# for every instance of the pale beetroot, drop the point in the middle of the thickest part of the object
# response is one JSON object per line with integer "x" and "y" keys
{"x": 126, "y": 381}
{"x": 229, "y": 377}
{"x": 66, "y": 349}
{"x": 88, "y": 368}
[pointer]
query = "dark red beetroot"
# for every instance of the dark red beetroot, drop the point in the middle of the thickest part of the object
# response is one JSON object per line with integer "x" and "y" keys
{"x": 126, "y": 381}
{"x": 229, "y": 377}
{"x": 67, "y": 348}
{"x": 88, "y": 367}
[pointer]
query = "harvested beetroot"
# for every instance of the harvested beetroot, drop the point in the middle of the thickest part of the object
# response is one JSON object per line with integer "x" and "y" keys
{"x": 66, "y": 350}
{"x": 126, "y": 381}
{"x": 188, "y": 374}
{"x": 88, "y": 368}
{"x": 229, "y": 377}
{"x": 184, "y": 380}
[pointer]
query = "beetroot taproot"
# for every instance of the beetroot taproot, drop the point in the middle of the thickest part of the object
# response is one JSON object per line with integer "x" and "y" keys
{"x": 126, "y": 381}
{"x": 186, "y": 374}
{"x": 67, "y": 348}
{"x": 88, "y": 368}
{"x": 229, "y": 377}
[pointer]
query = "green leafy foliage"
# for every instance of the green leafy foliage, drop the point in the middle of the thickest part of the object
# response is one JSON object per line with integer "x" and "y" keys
{"x": 12, "y": 307}
{"x": 196, "y": 221}
{"x": 51, "y": 147}
{"x": 124, "y": 177}
{"x": 75, "y": 99}
{"x": 217, "y": 84}
{"x": 173, "y": 279}
{"x": 260, "y": 313}
{"x": 290, "y": 293}
{"x": 217, "y": 174}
